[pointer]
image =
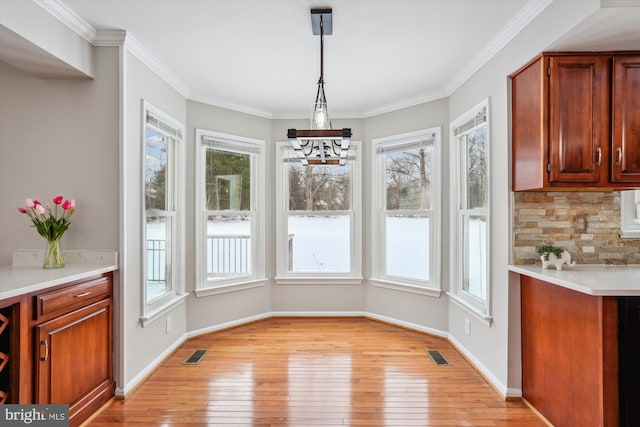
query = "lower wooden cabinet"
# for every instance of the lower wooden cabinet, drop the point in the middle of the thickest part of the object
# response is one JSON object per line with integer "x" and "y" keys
{"x": 73, "y": 340}
{"x": 56, "y": 346}
{"x": 570, "y": 354}
{"x": 74, "y": 360}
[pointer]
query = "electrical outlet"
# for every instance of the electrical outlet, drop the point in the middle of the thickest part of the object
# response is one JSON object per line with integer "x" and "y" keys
{"x": 467, "y": 327}
{"x": 168, "y": 324}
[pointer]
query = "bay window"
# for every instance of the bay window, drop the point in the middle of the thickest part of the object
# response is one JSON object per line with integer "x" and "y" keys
{"x": 318, "y": 219}
{"x": 230, "y": 199}
{"x": 470, "y": 205}
{"x": 162, "y": 248}
{"x": 406, "y": 203}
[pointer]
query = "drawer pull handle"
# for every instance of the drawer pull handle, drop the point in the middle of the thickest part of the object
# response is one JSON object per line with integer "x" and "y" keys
{"x": 46, "y": 350}
{"x": 619, "y": 150}
{"x": 84, "y": 294}
{"x": 599, "y": 156}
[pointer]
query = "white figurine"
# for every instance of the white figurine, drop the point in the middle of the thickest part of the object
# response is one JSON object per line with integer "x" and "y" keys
{"x": 565, "y": 258}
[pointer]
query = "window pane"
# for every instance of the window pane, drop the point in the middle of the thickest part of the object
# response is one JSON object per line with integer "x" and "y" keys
{"x": 408, "y": 175}
{"x": 319, "y": 187}
{"x": 407, "y": 239}
{"x": 158, "y": 256}
{"x": 476, "y": 170}
{"x": 155, "y": 170}
{"x": 228, "y": 246}
{"x": 319, "y": 243}
{"x": 475, "y": 256}
{"x": 227, "y": 180}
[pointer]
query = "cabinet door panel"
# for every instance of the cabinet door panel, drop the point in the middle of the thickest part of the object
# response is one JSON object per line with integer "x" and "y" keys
{"x": 74, "y": 354}
{"x": 579, "y": 123}
{"x": 625, "y": 166}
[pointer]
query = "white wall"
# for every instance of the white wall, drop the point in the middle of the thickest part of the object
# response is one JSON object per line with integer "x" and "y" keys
{"x": 53, "y": 49}
{"x": 496, "y": 348}
{"x": 142, "y": 345}
{"x": 60, "y": 137}
{"x": 421, "y": 311}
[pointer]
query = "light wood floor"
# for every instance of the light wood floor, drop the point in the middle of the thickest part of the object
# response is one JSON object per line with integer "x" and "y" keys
{"x": 316, "y": 372}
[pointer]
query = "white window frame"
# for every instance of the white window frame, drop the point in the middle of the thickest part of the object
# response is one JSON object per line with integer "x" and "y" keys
{"x": 630, "y": 214}
{"x": 165, "y": 124}
{"x": 481, "y": 309}
{"x": 244, "y": 145}
{"x": 282, "y": 215}
{"x": 379, "y": 278}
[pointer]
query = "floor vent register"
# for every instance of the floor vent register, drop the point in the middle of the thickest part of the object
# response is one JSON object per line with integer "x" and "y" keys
{"x": 438, "y": 358}
{"x": 195, "y": 357}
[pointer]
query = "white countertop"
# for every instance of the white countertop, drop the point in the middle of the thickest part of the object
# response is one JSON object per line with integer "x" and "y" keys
{"x": 24, "y": 277}
{"x": 599, "y": 280}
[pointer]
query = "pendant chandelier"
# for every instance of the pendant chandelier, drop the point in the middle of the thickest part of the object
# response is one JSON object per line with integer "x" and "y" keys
{"x": 321, "y": 144}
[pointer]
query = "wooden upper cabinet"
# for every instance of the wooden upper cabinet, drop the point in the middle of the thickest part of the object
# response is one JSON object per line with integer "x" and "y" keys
{"x": 625, "y": 164}
{"x": 576, "y": 122}
{"x": 578, "y": 119}
{"x": 528, "y": 126}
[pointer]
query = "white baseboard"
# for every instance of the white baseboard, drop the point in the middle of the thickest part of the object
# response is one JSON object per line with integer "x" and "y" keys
{"x": 122, "y": 391}
{"x": 318, "y": 314}
{"x": 497, "y": 384}
{"x": 408, "y": 325}
{"x": 486, "y": 373}
{"x": 227, "y": 325}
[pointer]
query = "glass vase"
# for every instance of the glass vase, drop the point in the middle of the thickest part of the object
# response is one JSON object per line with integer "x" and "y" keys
{"x": 53, "y": 256}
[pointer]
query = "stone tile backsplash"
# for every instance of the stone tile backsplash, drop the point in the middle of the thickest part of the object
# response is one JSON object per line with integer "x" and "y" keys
{"x": 587, "y": 224}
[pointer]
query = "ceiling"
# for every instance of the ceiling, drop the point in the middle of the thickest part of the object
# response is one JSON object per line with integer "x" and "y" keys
{"x": 260, "y": 56}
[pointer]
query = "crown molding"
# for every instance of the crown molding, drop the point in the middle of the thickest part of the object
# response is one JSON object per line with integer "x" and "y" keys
{"x": 530, "y": 10}
{"x": 68, "y": 17}
{"x": 619, "y": 3}
{"x": 234, "y": 107}
{"x": 122, "y": 38}
{"x": 110, "y": 38}
{"x": 407, "y": 103}
{"x": 101, "y": 38}
{"x": 147, "y": 58}
{"x": 301, "y": 115}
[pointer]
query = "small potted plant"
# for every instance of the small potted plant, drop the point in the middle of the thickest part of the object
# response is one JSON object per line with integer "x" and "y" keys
{"x": 554, "y": 255}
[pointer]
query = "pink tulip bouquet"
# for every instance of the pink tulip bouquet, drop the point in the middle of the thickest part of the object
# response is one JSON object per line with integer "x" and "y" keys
{"x": 51, "y": 223}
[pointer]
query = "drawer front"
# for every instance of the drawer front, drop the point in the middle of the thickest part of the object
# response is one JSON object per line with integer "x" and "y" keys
{"x": 72, "y": 297}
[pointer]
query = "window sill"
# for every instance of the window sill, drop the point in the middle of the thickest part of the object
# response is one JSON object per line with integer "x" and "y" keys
{"x": 630, "y": 234}
{"x": 229, "y": 287}
{"x": 404, "y": 287}
{"x": 319, "y": 280}
{"x": 162, "y": 310}
{"x": 472, "y": 309}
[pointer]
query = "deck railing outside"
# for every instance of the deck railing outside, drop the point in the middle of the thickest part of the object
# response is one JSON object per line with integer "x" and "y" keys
{"x": 226, "y": 254}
